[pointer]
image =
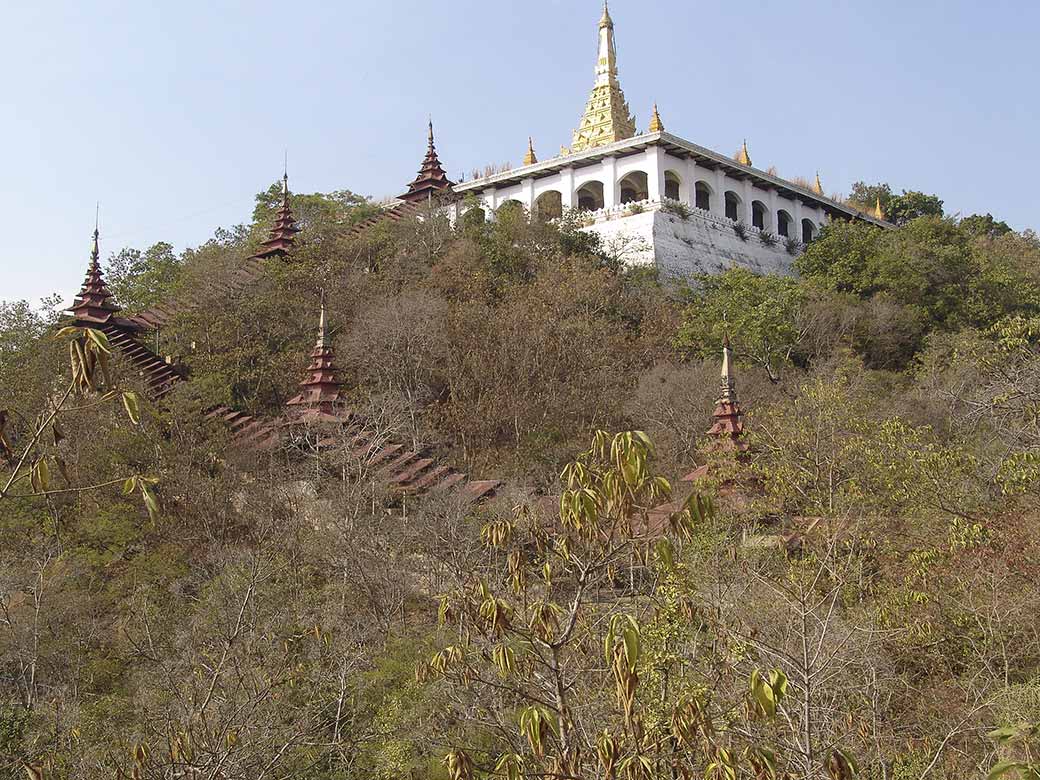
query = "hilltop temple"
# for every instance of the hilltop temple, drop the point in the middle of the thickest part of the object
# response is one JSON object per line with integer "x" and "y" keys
{"x": 655, "y": 198}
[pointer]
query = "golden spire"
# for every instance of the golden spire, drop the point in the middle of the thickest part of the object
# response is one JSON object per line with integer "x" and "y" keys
{"x": 879, "y": 213}
{"x": 729, "y": 388}
{"x": 607, "y": 117}
{"x": 742, "y": 156}
{"x": 818, "y": 185}
{"x": 530, "y": 158}
{"x": 656, "y": 125}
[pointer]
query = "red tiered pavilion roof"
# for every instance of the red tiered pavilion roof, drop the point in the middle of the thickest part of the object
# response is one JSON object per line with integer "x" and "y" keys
{"x": 93, "y": 306}
{"x": 321, "y": 391}
{"x": 283, "y": 235}
{"x": 431, "y": 179}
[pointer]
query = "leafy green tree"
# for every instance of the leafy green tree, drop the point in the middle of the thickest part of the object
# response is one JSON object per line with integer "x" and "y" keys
{"x": 866, "y": 196}
{"x": 984, "y": 225}
{"x": 24, "y": 434}
{"x": 139, "y": 279}
{"x": 911, "y": 205}
{"x": 316, "y": 213}
{"x": 932, "y": 266}
{"x": 526, "y": 626}
{"x": 759, "y": 314}
{"x": 900, "y": 209}
{"x": 844, "y": 256}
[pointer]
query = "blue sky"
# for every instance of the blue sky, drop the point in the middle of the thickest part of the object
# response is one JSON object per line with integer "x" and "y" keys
{"x": 173, "y": 115}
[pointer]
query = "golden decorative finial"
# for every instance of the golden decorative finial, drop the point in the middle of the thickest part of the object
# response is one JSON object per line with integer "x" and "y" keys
{"x": 323, "y": 325}
{"x": 742, "y": 156}
{"x": 818, "y": 185}
{"x": 656, "y": 125}
{"x": 879, "y": 213}
{"x": 564, "y": 151}
{"x": 530, "y": 158}
{"x": 607, "y": 117}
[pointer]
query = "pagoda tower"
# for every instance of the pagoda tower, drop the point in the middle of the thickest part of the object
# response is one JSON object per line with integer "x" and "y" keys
{"x": 93, "y": 306}
{"x": 283, "y": 235}
{"x": 607, "y": 117}
{"x": 321, "y": 391}
{"x": 728, "y": 428}
{"x": 431, "y": 181}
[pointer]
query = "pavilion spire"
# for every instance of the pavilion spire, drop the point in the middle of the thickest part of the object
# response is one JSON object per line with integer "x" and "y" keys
{"x": 530, "y": 158}
{"x": 282, "y": 237}
{"x": 607, "y": 117}
{"x": 743, "y": 156}
{"x": 431, "y": 179}
{"x": 94, "y": 305}
{"x": 321, "y": 392}
{"x": 728, "y": 427}
{"x": 818, "y": 185}
{"x": 879, "y": 213}
{"x": 656, "y": 125}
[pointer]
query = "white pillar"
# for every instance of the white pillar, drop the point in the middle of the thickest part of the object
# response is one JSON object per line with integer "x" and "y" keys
{"x": 610, "y": 188}
{"x": 654, "y": 173}
{"x": 719, "y": 201}
{"x": 691, "y": 182}
{"x": 490, "y": 203}
{"x": 772, "y": 222}
{"x": 567, "y": 187}
{"x": 798, "y": 218}
{"x": 749, "y": 195}
{"x": 527, "y": 188}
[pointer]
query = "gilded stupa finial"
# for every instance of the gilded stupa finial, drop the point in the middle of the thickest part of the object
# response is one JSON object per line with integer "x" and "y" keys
{"x": 728, "y": 386}
{"x": 818, "y": 185}
{"x": 607, "y": 117}
{"x": 530, "y": 158}
{"x": 656, "y": 125}
{"x": 879, "y": 213}
{"x": 743, "y": 156}
{"x": 323, "y": 325}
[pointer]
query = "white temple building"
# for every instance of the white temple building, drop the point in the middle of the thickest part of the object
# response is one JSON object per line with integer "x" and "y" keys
{"x": 654, "y": 197}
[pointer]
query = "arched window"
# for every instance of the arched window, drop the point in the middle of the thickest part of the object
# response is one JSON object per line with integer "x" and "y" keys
{"x": 548, "y": 205}
{"x": 702, "y": 195}
{"x": 808, "y": 231}
{"x": 732, "y": 205}
{"x": 783, "y": 223}
{"x": 672, "y": 183}
{"x": 633, "y": 187}
{"x": 759, "y": 215}
{"x": 590, "y": 196}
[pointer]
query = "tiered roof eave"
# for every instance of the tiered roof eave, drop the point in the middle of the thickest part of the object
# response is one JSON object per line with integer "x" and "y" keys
{"x": 282, "y": 237}
{"x": 431, "y": 181}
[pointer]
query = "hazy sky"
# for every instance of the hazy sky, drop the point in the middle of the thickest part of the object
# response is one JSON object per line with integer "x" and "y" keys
{"x": 174, "y": 114}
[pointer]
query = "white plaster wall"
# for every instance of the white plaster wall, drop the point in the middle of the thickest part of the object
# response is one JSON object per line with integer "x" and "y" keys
{"x": 701, "y": 243}
{"x": 630, "y": 237}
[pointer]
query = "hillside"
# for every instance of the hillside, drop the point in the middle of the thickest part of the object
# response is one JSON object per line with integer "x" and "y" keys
{"x": 846, "y": 587}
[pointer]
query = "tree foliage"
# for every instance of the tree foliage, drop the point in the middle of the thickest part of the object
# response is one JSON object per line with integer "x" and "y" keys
{"x": 855, "y": 595}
